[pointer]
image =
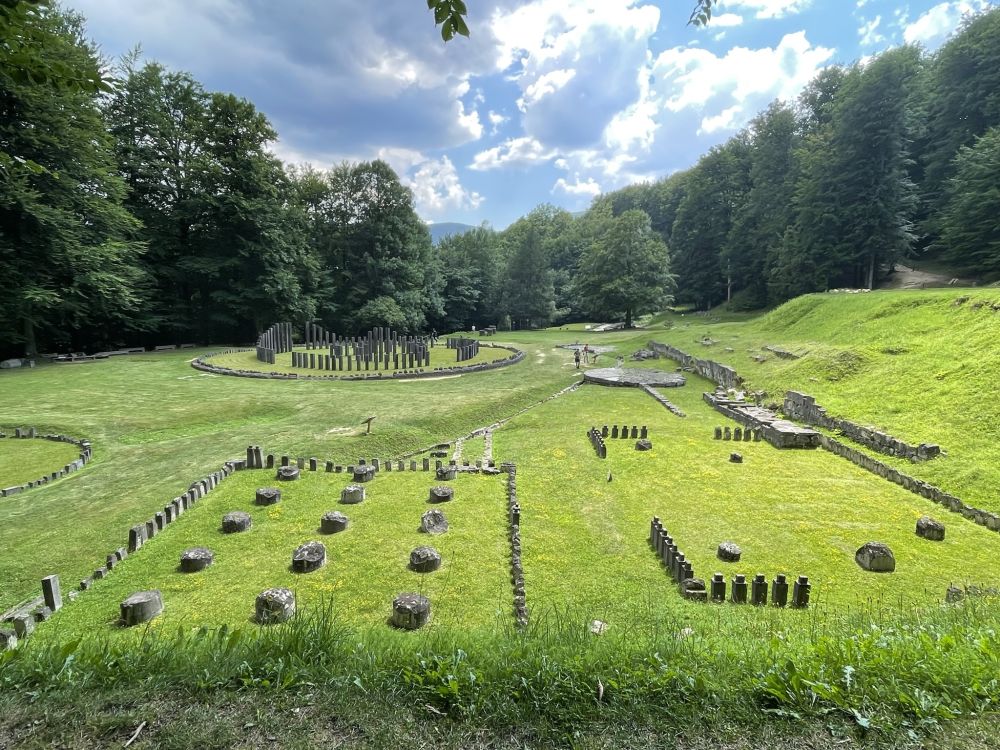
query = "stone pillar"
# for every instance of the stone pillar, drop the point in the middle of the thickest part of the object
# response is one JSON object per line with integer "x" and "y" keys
{"x": 737, "y": 433}
{"x": 718, "y": 588}
{"x": 779, "y": 591}
{"x": 758, "y": 590}
{"x": 800, "y": 592}
{"x": 739, "y": 589}
{"x": 51, "y": 593}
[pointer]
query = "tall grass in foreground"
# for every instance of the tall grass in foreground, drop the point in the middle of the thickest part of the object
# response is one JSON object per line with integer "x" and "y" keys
{"x": 883, "y": 668}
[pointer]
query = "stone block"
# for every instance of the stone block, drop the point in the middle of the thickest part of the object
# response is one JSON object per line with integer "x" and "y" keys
{"x": 309, "y": 557}
{"x": 441, "y": 494}
{"x": 928, "y": 528}
{"x": 333, "y": 522}
{"x": 274, "y": 605}
{"x": 425, "y": 560}
{"x": 410, "y": 611}
{"x": 875, "y": 557}
{"x": 729, "y": 552}
{"x": 433, "y": 522}
{"x": 141, "y": 607}
{"x": 196, "y": 559}
{"x": 267, "y": 496}
{"x": 236, "y": 522}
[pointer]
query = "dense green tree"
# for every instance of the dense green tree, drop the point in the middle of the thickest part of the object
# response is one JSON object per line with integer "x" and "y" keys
{"x": 471, "y": 267}
{"x": 626, "y": 270}
{"x": 959, "y": 100}
{"x": 378, "y": 252}
{"x": 970, "y": 229}
{"x": 226, "y": 250}
{"x": 714, "y": 192}
{"x": 69, "y": 249}
{"x": 760, "y": 221}
{"x": 528, "y": 291}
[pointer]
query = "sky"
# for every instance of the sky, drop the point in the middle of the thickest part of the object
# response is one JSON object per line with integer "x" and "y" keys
{"x": 548, "y": 101}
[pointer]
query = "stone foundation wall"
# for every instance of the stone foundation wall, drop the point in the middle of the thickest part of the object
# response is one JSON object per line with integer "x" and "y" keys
{"x": 86, "y": 452}
{"x": 916, "y": 486}
{"x": 718, "y": 373}
{"x": 805, "y": 409}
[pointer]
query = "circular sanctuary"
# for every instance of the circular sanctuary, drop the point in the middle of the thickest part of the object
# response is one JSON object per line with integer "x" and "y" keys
{"x": 28, "y": 451}
{"x": 379, "y": 354}
{"x": 634, "y": 377}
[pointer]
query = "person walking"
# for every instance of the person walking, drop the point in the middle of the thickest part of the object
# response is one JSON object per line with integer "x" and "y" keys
{"x": 586, "y": 354}
{"x": 576, "y": 358}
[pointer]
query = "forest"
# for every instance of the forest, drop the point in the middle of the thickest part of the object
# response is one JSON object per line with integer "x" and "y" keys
{"x": 138, "y": 208}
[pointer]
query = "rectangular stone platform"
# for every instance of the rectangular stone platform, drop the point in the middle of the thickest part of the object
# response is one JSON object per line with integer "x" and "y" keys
{"x": 777, "y": 431}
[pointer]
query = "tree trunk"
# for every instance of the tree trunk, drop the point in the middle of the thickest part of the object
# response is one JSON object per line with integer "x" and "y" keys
{"x": 628, "y": 317}
{"x": 870, "y": 280}
{"x": 30, "y": 345}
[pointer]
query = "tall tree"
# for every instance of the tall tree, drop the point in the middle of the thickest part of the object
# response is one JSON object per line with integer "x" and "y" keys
{"x": 760, "y": 221}
{"x": 714, "y": 190}
{"x": 970, "y": 230}
{"x": 68, "y": 247}
{"x": 626, "y": 270}
{"x": 228, "y": 253}
{"x": 379, "y": 251}
{"x": 959, "y": 97}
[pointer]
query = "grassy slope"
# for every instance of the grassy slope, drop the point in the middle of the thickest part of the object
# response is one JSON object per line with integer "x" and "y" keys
{"x": 157, "y": 424}
{"x": 918, "y": 364}
{"x": 26, "y": 460}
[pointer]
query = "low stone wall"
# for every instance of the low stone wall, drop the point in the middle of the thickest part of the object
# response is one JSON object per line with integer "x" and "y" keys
{"x": 516, "y": 356}
{"x": 30, "y": 432}
{"x": 917, "y": 486}
{"x": 663, "y": 401}
{"x": 516, "y": 565}
{"x": 805, "y": 409}
{"x": 718, "y": 373}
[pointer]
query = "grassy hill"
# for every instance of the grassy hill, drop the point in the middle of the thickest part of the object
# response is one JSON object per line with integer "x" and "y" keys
{"x": 922, "y": 365}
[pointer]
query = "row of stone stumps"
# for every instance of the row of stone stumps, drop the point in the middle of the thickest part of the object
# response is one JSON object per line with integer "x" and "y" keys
{"x": 516, "y": 564}
{"x": 363, "y": 471}
{"x": 694, "y": 589}
{"x": 738, "y": 434}
{"x": 86, "y": 453}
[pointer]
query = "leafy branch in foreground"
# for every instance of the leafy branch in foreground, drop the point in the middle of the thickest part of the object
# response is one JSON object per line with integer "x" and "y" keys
{"x": 450, "y": 15}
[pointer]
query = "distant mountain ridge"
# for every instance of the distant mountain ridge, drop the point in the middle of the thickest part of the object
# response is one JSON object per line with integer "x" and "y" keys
{"x": 444, "y": 229}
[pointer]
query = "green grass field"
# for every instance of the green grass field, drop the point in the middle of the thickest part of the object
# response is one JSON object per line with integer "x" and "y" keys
{"x": 441, "y": 356}
{"x": 27, "y": 460}
{"x": 918, "y": 364}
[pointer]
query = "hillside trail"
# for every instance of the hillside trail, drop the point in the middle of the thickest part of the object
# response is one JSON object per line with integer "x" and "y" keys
{"x": 904, "y": 277}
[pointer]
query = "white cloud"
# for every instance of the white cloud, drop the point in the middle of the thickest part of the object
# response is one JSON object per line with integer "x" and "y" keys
{"x": 769, "y": 8}
{"x": 869, "y": 32}
{"x": 496, "y": 120}
{"x": 437, "y": 188}
{"x": 519, "y": 151}
{"x": 545, "y": 84}
{"x": 934, "y": 26}
{"x": 575, "y": 62}
{"x": 727, "y": 119}
{"x": 742, "y": 78}
{"x": 578, "y": 187}
{"x": 726, "y": 19}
